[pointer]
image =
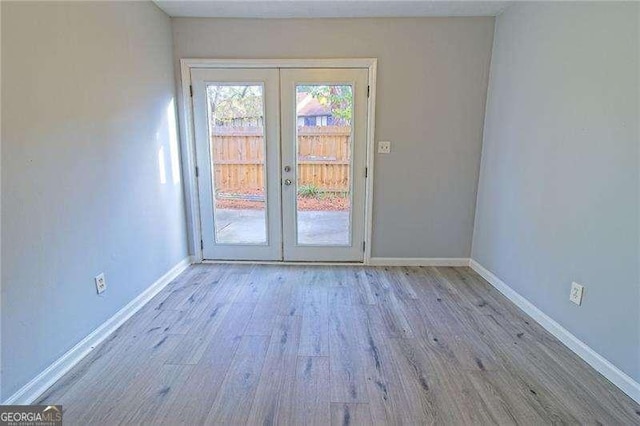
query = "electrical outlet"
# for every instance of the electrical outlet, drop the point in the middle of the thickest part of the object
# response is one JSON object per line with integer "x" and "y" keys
{"x": 101, "y": 283}
{"x": 384, "y": 147}
{"x": 576, "y": 293}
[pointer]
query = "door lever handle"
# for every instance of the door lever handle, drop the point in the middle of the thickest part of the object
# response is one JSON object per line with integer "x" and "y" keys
{"x": 287, "y": 182}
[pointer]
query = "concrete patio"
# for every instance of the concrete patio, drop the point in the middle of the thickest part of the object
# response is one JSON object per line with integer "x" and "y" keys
{"x": 314, "y": 227}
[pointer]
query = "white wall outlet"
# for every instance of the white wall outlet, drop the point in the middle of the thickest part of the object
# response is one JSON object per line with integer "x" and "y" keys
{"x": 576, "y": 293}
{"x": 101, "y": 283}
{"x": 384, "y": 147}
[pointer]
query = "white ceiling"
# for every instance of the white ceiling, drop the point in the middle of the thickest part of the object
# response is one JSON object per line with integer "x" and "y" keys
{"x": 328, "y": 8}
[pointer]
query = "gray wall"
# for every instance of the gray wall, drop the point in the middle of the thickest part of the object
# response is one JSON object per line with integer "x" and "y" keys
{"x": 558, "y": 199}
{"x": 87, "y": 92}
{"x": 432, "y": 78}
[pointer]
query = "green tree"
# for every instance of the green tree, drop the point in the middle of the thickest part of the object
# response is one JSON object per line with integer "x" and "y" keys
{"x": 229, "y": 103}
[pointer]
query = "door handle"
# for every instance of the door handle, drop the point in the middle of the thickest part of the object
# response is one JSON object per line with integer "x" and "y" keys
{"x": 287, "y": 182}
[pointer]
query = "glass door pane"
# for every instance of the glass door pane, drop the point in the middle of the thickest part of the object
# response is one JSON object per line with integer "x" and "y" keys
{"x": 237, "y": 146}
{"x": 323, "y": 160}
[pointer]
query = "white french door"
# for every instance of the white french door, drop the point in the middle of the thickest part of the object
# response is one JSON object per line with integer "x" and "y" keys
{"x": 332, "y": 161}
{"x": 236, "y": 120}
{"x": 281, "y": 157}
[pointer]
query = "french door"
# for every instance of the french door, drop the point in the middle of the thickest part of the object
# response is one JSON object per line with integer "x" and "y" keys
{"x": 281, "y": 157}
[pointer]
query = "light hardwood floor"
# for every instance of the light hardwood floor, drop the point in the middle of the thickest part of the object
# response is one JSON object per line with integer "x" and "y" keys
{"x": 269, "y": 344}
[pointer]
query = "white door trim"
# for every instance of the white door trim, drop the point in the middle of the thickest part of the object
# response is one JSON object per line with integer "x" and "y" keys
{"x": 188, "y": 136}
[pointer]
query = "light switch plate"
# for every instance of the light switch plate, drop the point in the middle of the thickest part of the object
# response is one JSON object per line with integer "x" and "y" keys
{"x": 101, "y": 283}
{"x": 384, "y": 147}
{"x": 576, "y": 293}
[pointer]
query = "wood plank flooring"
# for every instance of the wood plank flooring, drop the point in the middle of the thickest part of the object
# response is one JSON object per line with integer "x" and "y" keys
{"x": 317, "y": 345}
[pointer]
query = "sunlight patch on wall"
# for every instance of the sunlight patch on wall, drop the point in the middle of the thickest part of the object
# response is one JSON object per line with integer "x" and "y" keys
{"x": 161, "y": 166}
{"x": 173, "y": 142}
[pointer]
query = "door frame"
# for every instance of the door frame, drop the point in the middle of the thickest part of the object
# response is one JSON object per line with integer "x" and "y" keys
{"x": 187, "y": 133}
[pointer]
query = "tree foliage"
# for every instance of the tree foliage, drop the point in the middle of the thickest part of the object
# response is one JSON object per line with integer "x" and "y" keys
{"x": 229, "y": 103}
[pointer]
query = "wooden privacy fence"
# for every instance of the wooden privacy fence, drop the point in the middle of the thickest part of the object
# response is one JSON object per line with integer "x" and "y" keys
{"x": 324, "y": 154}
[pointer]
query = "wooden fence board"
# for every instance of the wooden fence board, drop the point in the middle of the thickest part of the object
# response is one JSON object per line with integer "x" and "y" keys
{"x": 324, "y": 154}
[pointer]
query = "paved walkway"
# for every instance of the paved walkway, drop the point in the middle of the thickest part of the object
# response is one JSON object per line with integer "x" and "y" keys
{"x": 314, "y": 227}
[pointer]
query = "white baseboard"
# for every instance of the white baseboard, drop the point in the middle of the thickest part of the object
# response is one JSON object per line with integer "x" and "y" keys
{"x": 594, "y": 359}
{"x": 374, "y": 261}
{"x": 277, "y": 262}
{"x": 418, "y": 261}
{"x": 38, "y": 385}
